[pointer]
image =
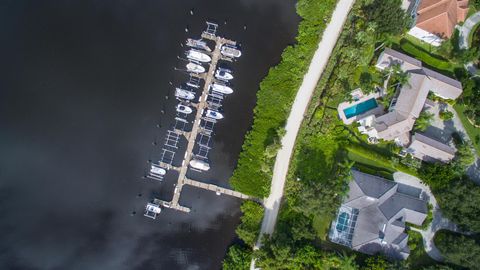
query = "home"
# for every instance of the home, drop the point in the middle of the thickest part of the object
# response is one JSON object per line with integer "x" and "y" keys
{"x": 372, "y": 218}
{"x": 435, "y": 20}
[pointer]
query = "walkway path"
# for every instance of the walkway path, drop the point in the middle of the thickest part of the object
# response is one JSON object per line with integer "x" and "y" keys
{"x": 465, "y": 30}
{"x": 438, "y": 223}
{"x": 319, "y": 61}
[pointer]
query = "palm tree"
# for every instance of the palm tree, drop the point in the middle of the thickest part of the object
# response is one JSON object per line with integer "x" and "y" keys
{"x": 423, "y": 121}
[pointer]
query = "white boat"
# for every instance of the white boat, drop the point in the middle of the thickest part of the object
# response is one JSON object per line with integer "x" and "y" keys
{"x": 184, "y": 109}
{"x": 157, "y": 170}
{"x": 152, "y": 210}
{"x": 230, "y": 51}
{"x": 196, "y": 68}
{"x": 223, "y": 74}
{"x": 221, "y": 88}
{"x": 199, "y": 165}
{"x": 181, "y": 93}
{"x": 198, "y": 56}
{"x": 198, "y": 43}
{"x": 214, "y": 114}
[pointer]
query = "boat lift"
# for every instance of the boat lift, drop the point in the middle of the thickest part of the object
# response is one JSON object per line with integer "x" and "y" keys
{"x": 193, "y": 82}
{"x": 172, "y": 139}
{"x": 211, "y": 29}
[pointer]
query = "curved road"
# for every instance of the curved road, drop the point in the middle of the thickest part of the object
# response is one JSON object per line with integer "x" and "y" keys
{"x": 465, "y": 30}
{"x": 315, "y": 70}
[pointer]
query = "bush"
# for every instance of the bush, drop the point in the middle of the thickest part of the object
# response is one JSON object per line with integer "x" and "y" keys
{"x": 458, "y": 249}
{"x": 237, "y": 258}
{"x": 425, "y": 57}
{"x": 446, "y": 115}
{"x": 250, "y": 222}
{"x": 274, "y": 98}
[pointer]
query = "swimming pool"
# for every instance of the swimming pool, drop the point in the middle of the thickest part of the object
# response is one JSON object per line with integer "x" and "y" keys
{"x": 360, "y": 108}
{"x": 342, "y": 222}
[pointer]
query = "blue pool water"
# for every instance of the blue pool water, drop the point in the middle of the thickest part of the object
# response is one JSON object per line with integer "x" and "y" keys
{"x": 360, "y": 108}
{"x": 342, "y": 223}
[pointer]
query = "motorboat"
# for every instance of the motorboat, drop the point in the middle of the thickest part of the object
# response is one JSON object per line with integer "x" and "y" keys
{"x": 185, "y": 94}
{"x": 198, "y": 56}
{"x": 152, "y": 210}
{"x": 198, "y": 43}
{"x": 184, "y": 109}
{"x": 221, "y": 88}
{"x": 214, "y": 114}
{"x": 230, "y": 51}
{"x": 196, "y": 68}
{"x": 199, "y": 165}
{"x": 155, "y": 170}
{"x": 223, "y": 74}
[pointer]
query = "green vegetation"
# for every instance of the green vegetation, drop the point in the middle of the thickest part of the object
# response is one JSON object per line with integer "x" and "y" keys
{"x": 326, "y": 150}
{"x": 250, "y": 222}
{"x": 389, "y": 163}
{"x": 428, "y": 220}
{"x": 472, "y": 131}
{"x": 423, "y": 121}
{"x": 274, "y": 98}
{"x": 438, "y": 63}
{"x": 418, "y": 257}
{"x": 237, "y": 258}
{"x": 458, "y": 249}
{"x": 446, "y": 115}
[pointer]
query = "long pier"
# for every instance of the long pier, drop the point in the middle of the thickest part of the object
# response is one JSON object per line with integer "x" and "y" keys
{"x": 192, "y": 135}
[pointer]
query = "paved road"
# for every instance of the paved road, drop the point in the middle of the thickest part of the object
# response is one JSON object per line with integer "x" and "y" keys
{"x": 466, "y": 28}
{"x": 319, "y": 61}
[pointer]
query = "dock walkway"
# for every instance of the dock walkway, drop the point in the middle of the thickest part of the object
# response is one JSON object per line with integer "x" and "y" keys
{"x": 196, "y": 129}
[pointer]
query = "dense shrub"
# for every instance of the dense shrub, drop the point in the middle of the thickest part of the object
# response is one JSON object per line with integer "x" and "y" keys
{"x": 458, "y": 249}
{"x": 274, "y": 99}
{"x": 250, "y": 222}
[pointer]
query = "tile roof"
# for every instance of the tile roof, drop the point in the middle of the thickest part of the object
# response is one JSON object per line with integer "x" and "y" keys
{"x": 440, "y": 17}
{"x": 428, "y": 149}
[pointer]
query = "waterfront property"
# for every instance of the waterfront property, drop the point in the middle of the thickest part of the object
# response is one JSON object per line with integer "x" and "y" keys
{"x": 372, "y": 218}
{"x": 406, "y": 105}
{"x": 210, "y": 101}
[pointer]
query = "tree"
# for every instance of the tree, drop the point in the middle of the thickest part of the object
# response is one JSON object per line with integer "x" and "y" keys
{"x": 238, "y": 258}
{"x": 458, "y": 249}
{"x": 464, "y": 156}
{"x": 437, "y": 175}
{"x": 423, "y": 121}
{"x": 446, "y": 115}
{"x": 250, "y": 222}
{"x": 389, "y": 17}
{"x": 376, "y": 263}
{"x": 460, "y": 202}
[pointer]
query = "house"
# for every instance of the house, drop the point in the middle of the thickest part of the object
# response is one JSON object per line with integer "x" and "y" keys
{"x": 372, "y": 218}
{"x": 435, "y": 20}
{"x": 407, "y": 105}
{"x": 427, "y": 149}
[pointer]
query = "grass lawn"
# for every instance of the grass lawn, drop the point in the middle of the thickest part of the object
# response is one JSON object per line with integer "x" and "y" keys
{"x": 473, "y": 132}
{"x": 371, "y": 166}
{"x": 321, "y": 224}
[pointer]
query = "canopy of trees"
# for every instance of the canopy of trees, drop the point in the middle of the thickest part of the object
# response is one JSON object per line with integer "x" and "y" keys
{"x": 458, "y": 249}
{"x": 250, "y": 222}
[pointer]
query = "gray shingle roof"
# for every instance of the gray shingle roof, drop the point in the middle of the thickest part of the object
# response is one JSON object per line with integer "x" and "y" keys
{"x": 383, "y": 208}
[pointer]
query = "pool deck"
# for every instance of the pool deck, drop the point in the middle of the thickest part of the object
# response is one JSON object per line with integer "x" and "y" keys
{"x": 379, "y": 110}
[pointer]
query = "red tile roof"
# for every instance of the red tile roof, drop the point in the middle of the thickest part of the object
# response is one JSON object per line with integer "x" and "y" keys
{"x": 439, "y": 17}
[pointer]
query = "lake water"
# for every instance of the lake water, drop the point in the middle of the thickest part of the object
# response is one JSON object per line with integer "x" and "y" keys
{"x": 82, "y": 87}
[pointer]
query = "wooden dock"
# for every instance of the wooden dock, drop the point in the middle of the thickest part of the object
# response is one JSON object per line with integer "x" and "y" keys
{"x": 192, "y": 135}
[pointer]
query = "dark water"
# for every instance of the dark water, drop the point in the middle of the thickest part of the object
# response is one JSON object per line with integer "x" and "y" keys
{"x": 82, "y": 87}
